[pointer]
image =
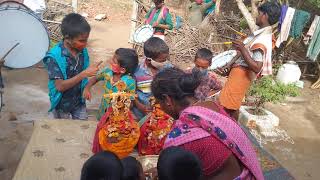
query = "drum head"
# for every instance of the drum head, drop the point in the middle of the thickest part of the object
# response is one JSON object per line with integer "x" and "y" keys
{"x": 26, "y": 29}
{"x": 222, "y": 59}
{"x": 143, "y": 33}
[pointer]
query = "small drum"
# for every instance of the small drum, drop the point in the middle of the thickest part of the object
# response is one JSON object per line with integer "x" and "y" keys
{"x": 222, "y": 59}
{"x": 143, "y": 33}
{"x": 24, "y": 28}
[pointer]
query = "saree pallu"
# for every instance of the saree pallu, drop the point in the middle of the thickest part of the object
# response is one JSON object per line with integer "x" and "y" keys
{"x": 197, "y": 122}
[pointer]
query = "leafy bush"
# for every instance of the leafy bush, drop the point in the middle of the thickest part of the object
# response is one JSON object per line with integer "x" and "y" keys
{"x": 315, "y": 2}
{"x": 267, "y": 89}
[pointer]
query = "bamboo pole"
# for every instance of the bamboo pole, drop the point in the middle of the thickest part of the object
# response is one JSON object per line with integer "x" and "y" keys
{"x": 75, "y": 5}
{"x": 134, "y": 19}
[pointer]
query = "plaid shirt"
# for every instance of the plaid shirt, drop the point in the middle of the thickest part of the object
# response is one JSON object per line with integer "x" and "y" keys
{"x": 208, "y": 83}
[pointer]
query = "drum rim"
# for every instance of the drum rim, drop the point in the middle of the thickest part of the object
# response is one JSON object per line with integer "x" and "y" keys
{"x": 16, "y": 3}
{"x": 139, "y": 30}
{"x": 225, "y": 53}
{"x": 29, "y": 11}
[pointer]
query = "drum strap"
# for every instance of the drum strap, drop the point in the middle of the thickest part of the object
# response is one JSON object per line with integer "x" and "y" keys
{"x": 253, "y": 75}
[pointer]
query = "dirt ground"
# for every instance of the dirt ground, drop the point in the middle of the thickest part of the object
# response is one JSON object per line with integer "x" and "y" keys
{"x": 26, "y": 101}
{"x": 300, "y": 117}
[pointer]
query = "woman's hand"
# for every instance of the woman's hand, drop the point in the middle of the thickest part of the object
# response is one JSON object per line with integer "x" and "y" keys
{"x": 155, "y": 24}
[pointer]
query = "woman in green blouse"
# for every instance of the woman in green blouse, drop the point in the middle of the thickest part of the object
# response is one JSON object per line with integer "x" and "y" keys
{"x": 159, "y": 18}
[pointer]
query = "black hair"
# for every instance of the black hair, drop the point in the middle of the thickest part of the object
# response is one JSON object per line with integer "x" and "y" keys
{"x": 131, "y": 168}
{"x": 158, "y": 1}
{"x": 74, "y": 25}
{"x": 178, "y": 164}
{"x": 176, "y": 84}
{"x": 155, "y": 46}
{"x": 127, "y": 59}
{"x": 273, "y": 10}
{"x": 102, "y": 166}
{"x": 204, "y": 53}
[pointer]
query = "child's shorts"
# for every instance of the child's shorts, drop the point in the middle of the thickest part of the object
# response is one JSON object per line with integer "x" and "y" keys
{"x": 80, "y": 113}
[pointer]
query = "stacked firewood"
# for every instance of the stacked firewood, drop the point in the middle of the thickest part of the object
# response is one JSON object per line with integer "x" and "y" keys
{"x": 53, "y": 16}
{"x": 185, "y": 41}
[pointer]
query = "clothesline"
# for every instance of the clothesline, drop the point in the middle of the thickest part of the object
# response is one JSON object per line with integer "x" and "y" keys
{"x": 292, "y": 22}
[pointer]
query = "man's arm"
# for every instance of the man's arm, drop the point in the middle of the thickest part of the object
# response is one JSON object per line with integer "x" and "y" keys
{"x": 253, "y": 64}
{"x": 168, "y": 21}
{"x": 63, "y": 85}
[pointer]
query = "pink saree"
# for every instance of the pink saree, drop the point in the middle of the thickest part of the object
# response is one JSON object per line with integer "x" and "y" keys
{"x": 198, "y": 122}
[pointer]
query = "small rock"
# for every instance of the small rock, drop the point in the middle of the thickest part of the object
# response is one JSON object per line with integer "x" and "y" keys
{"x": 86, "y": 15}
{"x": 12, "y": 117}
{"x": 85, "y": 126}
{"x": 60, "y": 169}
{"x": 38, "y": 153}
{"x": 45, "y": 126}
{"x": 100, "y": 17}
{"x": 84, "y": 155}
{"x": 60, "y": 140}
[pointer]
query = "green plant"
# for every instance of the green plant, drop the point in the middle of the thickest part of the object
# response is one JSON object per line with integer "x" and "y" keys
{"x": 315, "y": 2}
{"x": 243, "y": 24}
{"x": 267, "y": 89}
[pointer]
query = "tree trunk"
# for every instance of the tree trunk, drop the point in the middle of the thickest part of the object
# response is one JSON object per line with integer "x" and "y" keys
{"x": 254, "y": 8}
{"x": 203, "y": 28}
{"x": 217, "y": 10}
{"x": 247, "y": 15}
{"x": 75, "y": 5}
{"x": 300, "y": 3}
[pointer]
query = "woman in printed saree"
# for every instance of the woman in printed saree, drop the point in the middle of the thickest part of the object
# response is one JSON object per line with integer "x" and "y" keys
{"x": 204, "y": 128}
{"x": 117, "y": 131}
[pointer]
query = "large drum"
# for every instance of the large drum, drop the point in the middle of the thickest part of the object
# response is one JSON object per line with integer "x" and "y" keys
{"x": 20, "y": 25}
{"x": 222, "y": 59}
{"x": 143, "y": 33}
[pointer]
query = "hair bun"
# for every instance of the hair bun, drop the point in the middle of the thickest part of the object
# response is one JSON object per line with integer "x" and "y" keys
{"x": 189, "y": 82}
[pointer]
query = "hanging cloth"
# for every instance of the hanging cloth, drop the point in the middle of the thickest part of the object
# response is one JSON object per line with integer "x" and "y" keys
{"x": 284, "y": 9}
{"x": 312, "y": 29}
{"x": 299, "y": 21}
{"x": 285, "y": 27}
{"x": 314, "y": 47}
{"x": 313, "y": 26}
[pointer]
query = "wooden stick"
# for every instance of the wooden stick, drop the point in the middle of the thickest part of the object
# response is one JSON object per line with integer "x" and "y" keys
{"x": 240, "y": 33}
{"x": 63, "y": 3}
{"x": 223, "y": 43}
{"x": 2, "y": 59}
{"x": 49, "y": 21}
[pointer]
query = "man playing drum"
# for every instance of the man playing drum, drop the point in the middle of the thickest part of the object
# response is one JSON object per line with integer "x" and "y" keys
{"x": 159, "y": 18}
{"x": 255, "y": 59}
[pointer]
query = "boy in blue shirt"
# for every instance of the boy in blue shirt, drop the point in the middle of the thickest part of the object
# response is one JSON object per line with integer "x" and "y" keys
{"x": 68, "y": 69}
